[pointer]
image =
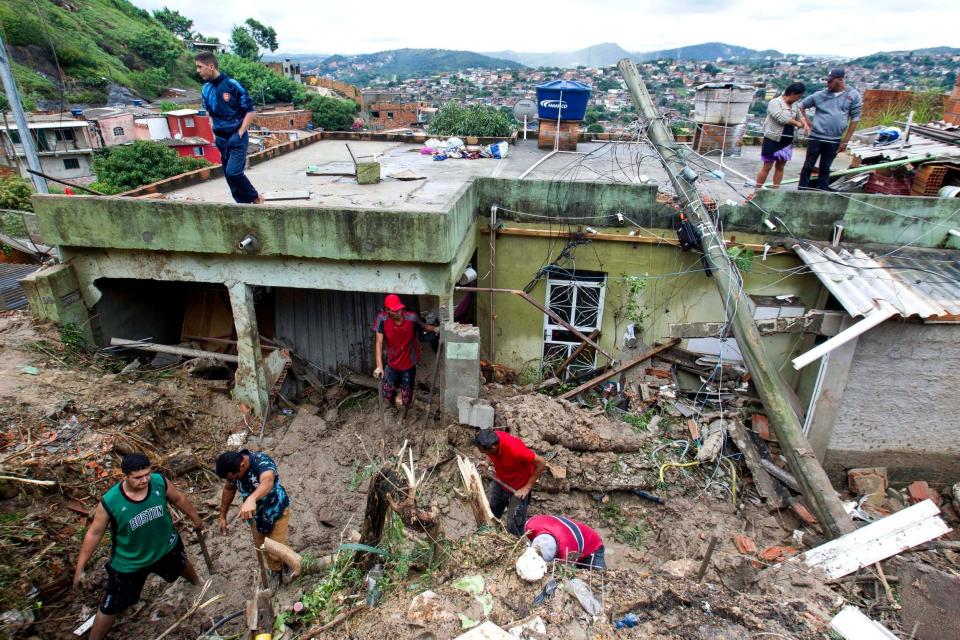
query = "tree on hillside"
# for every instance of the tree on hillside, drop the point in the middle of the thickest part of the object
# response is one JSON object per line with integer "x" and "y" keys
{"x": 243, "y": 45}
{"x": 265, "y": 36}
{"x": 252, "y": 39}
{"x": 175, "y": 22}
{"x": 332, "y": 114}
{"x": 127, "y": 167}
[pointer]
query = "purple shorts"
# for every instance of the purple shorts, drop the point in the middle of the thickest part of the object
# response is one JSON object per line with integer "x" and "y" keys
{"x": 782, "y": 155}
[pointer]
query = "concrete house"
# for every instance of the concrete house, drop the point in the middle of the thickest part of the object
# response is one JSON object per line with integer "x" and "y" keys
{"x": 65, "y": 145}
{"x": 582, "y": 237}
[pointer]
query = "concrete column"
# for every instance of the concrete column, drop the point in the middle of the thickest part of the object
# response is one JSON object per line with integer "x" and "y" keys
{"x": 461, "y": 370}
{"x": 250, "y": 385}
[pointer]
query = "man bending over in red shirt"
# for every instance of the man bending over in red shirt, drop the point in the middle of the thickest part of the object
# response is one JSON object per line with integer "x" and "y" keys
{"x": 516, "y": 466}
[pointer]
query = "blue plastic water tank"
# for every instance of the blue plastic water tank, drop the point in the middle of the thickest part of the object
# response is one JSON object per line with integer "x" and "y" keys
{"x": 563, "y": 99}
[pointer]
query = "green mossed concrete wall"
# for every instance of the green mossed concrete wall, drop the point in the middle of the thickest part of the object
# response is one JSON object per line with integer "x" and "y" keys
{"x": 677, "y": 291}
{"x": 302, "y": 232}
{"x": 866, "y": 218}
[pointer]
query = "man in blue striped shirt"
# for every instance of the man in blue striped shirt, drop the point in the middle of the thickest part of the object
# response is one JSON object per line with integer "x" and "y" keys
{"x": 231, "y": 110}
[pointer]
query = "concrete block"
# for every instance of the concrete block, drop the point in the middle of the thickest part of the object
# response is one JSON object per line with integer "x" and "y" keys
{"x": 53, "y": 293}
{"x": 461, "y": 376}
{"x": 475, "y": 412}
{"x": 368, "y": 172}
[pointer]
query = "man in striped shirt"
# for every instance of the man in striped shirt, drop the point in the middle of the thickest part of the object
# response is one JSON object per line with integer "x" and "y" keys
{"x": 565, "y": 539}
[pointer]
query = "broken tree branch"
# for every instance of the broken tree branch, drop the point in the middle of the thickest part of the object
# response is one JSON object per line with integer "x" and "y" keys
{"x": 177, "y": 351}
{"x": 474, "y": 486}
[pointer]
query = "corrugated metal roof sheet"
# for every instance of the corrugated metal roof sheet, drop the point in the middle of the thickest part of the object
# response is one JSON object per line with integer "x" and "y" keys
{"x": 924, "y": 284}
{"x": 11, "y": 294}
{"x": 328, "y": 328}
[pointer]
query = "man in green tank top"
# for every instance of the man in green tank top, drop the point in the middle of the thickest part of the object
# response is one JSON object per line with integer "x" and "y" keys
{"x": 142, "y": 537}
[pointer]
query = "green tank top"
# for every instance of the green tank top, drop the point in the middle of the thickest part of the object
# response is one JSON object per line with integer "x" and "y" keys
{"x": 141, "y": 532}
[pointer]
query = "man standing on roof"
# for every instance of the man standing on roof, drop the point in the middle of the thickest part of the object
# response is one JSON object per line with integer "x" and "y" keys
{"x": 516, "y": 469}
{"x": 400, "y": 330}
{"x": 265, "y": 501}
{"x": 142, "y": 538}
{"x": 837, "y": 113}
{"x": 564, "y": 539}
{"x": 231, "y": 110}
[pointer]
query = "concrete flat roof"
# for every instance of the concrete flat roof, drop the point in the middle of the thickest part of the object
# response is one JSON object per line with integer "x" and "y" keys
{"x": 598, "y": 162}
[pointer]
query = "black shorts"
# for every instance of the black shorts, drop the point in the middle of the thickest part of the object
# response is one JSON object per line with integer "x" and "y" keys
{"x": 123, "y": 589}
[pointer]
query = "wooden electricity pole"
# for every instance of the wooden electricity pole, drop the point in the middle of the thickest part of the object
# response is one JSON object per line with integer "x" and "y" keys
{"x": 738, "y": 307}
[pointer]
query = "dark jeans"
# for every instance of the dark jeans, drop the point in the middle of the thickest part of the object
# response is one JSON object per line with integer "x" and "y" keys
{"x": 499, "y": 500}
{"x": 825, "y": 152}
{"x": 593, "y": 561}
{"x": 403, "y": 380}
{"x": 233, "y": 157}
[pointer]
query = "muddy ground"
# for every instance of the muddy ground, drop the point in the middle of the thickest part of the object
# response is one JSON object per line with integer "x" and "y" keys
{"x": 67, "y": 419}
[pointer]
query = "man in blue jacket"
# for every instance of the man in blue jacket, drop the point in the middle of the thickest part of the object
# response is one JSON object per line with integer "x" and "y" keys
{"x": 231, "y": 110}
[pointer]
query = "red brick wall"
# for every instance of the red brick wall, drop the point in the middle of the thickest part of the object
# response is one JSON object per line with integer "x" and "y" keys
{"x": 951, "y": 112}
{"x": 877, "y": 102}
{"x": 713, "y": 137}
{"x": 273, "y": 120}
{"x": 569, "y": 134}
{"x": 393, "y": 115}
{"x": 344, "y": 89}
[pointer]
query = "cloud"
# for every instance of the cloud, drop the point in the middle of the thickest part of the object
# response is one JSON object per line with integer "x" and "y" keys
{"x": 840, "y": 27}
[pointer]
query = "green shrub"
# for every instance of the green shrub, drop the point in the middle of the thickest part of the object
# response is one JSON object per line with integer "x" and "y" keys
{"x": 157, "y": 47}
{"x": 15, "y": 193}
{"x": 150, "y": 83}
{"x": 332, "y": 114}
{"x": 143, "y": 162}
{"x": 261, "y": 83}
{"x": 475, "y": 120}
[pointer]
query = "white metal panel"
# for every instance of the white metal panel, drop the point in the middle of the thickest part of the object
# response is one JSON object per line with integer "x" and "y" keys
{"x": 925, "y": 284}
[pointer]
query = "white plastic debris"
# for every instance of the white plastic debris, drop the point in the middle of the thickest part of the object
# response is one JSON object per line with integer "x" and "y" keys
{"x": 530, "y": 566}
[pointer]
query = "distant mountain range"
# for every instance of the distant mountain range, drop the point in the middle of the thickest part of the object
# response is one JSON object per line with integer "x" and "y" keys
{"x": 402, "y": 63}
{"x": 609, "y": 53}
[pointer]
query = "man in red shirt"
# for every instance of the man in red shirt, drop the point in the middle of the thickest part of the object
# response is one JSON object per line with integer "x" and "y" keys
{"x": 516, "y": 466}
{"x": 566, "y": 540}
{"x": 400, "y": 330}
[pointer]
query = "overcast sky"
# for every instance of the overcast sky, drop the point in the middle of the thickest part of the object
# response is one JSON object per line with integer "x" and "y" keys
{"x": 841, "y": 27}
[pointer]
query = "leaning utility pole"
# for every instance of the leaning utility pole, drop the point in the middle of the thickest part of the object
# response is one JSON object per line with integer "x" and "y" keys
{"x": 739, "y": 310}
{"x": 13, "y": 97}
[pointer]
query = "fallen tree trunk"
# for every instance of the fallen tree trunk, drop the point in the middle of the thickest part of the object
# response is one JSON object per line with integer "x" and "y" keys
{"x": 590, "y": 442}
{"x": 298, "y": 565}
{"x": 475, "y": 493}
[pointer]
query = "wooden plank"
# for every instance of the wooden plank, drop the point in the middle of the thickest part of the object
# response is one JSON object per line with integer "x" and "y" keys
{"x": 853, "y": 625}
{"x": 766, "y": 486}
{"x": 620, "y": 369}
{"x": 877, "y": 541}
{"x": 616, "y": 237}
{"x": 276, "y": 196}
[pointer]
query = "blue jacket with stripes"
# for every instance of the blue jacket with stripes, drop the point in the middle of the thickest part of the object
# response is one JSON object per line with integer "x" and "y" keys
{"x": 227, "y": 102}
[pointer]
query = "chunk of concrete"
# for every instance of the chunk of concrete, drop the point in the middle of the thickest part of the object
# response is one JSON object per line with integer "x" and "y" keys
{"x": 475, "y": 412}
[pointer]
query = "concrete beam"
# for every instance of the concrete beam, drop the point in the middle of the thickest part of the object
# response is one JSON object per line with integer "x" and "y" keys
{"x": 461, "y": 370}
{"x": 54, "y": 294}
{"x": 402, "y": 278}
{"x": 250, "y": 385}
{"x": 822, "y": 323}
{"x": 373, "y": 235}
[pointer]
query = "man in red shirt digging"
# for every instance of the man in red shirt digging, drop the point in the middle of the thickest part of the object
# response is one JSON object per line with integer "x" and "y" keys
{"x": 400, "y": 329}
{"x": 516, "y": 469}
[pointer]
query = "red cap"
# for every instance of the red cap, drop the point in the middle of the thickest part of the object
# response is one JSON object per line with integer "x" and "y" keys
{"x": 392, "y": 302}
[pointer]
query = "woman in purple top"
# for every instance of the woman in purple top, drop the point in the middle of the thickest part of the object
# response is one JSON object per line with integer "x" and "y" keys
{"x": 784, "y": 117}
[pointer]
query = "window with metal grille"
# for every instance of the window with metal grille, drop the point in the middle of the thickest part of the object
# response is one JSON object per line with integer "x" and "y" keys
{"x": 118, "y": 131}
{"x": 577, "y": 298}
{"x": 62, "y": 135}
{"x": 71, "y": 163}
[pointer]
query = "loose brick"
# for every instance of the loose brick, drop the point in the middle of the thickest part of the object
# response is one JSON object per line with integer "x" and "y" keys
{"x": 920, "y": 491}
{"x": 771, "y": 554}
{"x": 802, "y": 512}
{"x": 761, "y": 426}
{"x": 870, "y": 482}
{"x": 745, "y": 544}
